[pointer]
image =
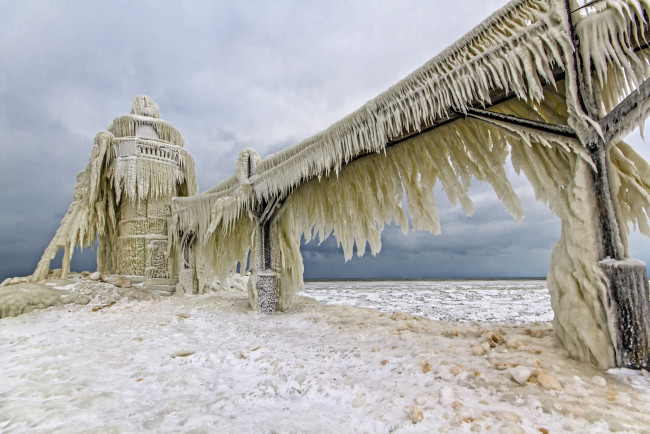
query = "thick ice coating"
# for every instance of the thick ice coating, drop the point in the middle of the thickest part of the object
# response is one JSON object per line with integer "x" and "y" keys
{"x": 349, "y": 180}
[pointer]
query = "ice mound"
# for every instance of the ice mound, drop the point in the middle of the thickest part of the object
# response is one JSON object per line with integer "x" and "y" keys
{"x": 25, "y": 297}
{"x": 143, "y": 105}
{"x": 235, "y": 283}
{"x": 20, "y": 296}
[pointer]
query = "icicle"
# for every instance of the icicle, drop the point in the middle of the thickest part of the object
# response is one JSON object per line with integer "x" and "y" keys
{"x": 605, "y": 37}
{"x": 86, "y": 216}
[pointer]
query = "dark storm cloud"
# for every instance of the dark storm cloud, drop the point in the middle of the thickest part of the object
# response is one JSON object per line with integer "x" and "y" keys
{"x": 229, "y": 75}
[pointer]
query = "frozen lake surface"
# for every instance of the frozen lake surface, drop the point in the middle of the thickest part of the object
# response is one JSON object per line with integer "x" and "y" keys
{"x": 493, "y": 301}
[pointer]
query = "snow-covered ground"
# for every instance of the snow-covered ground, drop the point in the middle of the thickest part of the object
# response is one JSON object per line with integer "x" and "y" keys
{"x": 208, "y": 364}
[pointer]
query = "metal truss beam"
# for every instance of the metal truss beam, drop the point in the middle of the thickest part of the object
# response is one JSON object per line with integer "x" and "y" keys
{"x": 486, "y": 115}
{"x": 620, "y": 117}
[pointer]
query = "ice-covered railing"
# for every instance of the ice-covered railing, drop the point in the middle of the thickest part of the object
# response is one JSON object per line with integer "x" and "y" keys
{"x": 350, "y": 180}
{"x": 497, "y": 53}
{"x": 518, "y": 49}
{"x": 150, "y": 148}
{"x": 465, "y": 73}
{"x": 148, "y": 167}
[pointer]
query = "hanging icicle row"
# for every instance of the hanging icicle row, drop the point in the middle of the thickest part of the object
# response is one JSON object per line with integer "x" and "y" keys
{"x": 125, "y": 126}
{"x": 517, "y": 48}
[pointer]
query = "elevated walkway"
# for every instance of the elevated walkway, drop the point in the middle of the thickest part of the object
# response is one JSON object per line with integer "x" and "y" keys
{"x": 552, "y": 85}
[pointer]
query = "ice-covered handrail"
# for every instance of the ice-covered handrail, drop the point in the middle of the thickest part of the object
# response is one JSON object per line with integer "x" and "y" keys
{"x": 350, "y": 181}
{"x": 497, "y": 53}
{"x": 517, "y": 49}
{"x": 489, "y": 56}
{"x": 158, "y": 168}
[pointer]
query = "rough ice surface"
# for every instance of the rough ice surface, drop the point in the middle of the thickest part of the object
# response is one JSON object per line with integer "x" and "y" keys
{"x": 206, "y": 363}
{"x": 267, "y": 289}
{"x": 145, "y": 106}
{"x": 324, "y": 192}
{"x": 26, "y": 297}
{"x": 503, "y": 301}
{"x": 98, "y": 289}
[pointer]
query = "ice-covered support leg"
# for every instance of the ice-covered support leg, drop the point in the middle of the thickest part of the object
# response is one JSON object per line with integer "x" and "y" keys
{"x": 625, "y": 298}
{"x": 187, "y": 274}
{"x": 263, "y": 286}
{"x": 104, "y": 256}
{"x": 65, "y": 263}
{"x": 627, "y": 281}
{"x": 264, "y": 295}
{"x": 630, "y": 307}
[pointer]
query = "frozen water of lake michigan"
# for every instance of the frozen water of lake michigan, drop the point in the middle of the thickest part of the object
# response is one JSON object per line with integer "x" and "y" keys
{"x": 502, "y": 301}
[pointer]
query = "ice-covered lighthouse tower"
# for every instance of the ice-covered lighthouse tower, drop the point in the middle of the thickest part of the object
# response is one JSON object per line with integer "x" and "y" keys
{"x": 147, "y": 173}
{"x": 123, "y": 197}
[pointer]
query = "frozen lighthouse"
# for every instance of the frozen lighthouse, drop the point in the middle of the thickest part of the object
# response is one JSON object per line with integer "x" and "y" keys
{"x": 123, "y": 198}
{"x": 148, "y": 169}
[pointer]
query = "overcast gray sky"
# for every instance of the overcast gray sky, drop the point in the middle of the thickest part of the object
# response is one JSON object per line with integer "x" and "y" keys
{"x": 229, "y": 75}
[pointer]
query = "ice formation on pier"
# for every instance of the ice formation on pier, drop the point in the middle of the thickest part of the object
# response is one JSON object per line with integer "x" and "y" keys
{"x": 350, "y": 180}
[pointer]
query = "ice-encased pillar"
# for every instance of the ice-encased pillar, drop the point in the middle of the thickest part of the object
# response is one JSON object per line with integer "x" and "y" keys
{"x": 628, "y": 302}
{"x": 142, "y": 238}
{"x": 187, "y": 273}
{"x": 627, "y": 299}
{"x": 263, "y": 285}
{"x": 266, "y": 278}
{"x": 142, "y": 222}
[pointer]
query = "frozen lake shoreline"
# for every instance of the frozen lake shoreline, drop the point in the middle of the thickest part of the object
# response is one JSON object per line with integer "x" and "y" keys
{"x": 511, "y": 301}
{"x": 207, "y": 363}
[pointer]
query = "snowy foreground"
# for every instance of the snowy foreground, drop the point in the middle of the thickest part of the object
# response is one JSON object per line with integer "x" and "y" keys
{"x": 208, "y": 364}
